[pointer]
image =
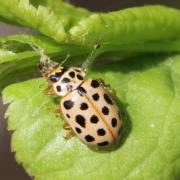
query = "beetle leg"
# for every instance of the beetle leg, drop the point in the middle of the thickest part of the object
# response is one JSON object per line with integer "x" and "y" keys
{"x": 69, "y": 131}
{"x": 58, "y": 112}
{"x": 108, "y": 88}
{"x": 66, "y": 126}
{"x": 49, "y": 91}
{"x": 112, "y": 92}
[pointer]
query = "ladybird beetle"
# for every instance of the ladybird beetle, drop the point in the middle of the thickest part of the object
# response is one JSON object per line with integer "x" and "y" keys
{"x": 87, "y": 105}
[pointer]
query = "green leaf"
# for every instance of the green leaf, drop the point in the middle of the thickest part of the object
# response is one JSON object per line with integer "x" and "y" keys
{"x": 141, "y": 28}
{"x": 148, "y": 90}
{"x": 51, "y": 19}
{"x": 64, "y": 10}
{"x": 138, "y": 24}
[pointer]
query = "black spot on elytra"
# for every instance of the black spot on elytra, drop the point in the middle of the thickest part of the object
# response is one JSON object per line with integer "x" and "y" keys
{"x": 94, "y": 119}
{"x": 84, "y": 106}
{"x": 67, "y": 115}
{"x": 68, "y": 104}
{"x": 72, "y": 74}
{"x": 101, "y": 132}
{"x": 105, "y": 110}
{"x": 95, "y": 96}
{"x": 107, "y": 99}
{"x": 65, "y": 80}
{"x": 95, "y": 83}
{"x": 81, "y": 91}
{"x": 114, "y": 122}
{"x": 104, "y": 143}
{"x": 58, "y": 88}
{"x": 80, "y": 120}
{"x": 89, "y": 138}
{"x": 78, "y": 130}
{"x": 79, "y": 77}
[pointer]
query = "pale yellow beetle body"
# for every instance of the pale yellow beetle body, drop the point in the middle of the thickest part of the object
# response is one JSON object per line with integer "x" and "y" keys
{"x": 86, "y": 105}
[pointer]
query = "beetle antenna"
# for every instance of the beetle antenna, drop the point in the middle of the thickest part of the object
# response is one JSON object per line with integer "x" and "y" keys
{"x": 40, "y": 51}
{"x": 66, "y": 58}
{"x": 90, "y": 58}
{"x": 44, "y": 57}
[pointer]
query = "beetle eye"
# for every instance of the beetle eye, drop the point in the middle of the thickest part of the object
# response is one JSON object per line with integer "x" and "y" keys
{"x": 40, "y": 66}
{"x": 54, "y": 78}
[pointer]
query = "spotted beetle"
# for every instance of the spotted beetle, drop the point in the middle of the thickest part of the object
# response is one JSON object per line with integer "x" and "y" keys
{"x": 87, "y": 105}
